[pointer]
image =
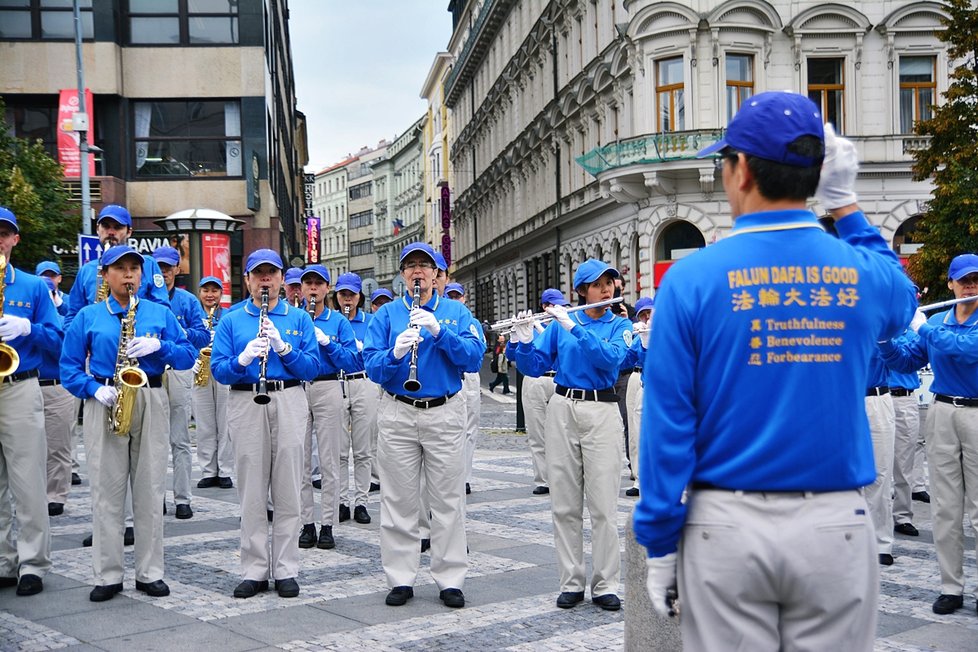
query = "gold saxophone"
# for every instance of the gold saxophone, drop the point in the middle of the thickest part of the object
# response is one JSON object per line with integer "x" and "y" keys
{"x": 128, "y": 376}
{"x": 9, "y": 358}
{"x": 203, "y": 375}
{"x": 102, "y": 293}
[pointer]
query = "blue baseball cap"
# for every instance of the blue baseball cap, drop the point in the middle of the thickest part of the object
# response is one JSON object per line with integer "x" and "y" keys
{"x": 293, "y": 275}
{"x": 962, "y": 265}
{"x": 645, "y": 303}
{"x": 167, "y": 255}
{"x": 454, "y": 287}
{"x": 767, "y": 123}
{"x": 554, "y": 296}
{"x": 210, "y": 279}
{"x": 591, "y": 269}
{"x": 113, "y": 254}
{"x": 262, "y": 256}
{"x": 318, "y": 270}
{"x": 381, "y": 292}
{"x": 349, "y": 281}
{"x": 47, "y": 266}
{"x": 440, "y": 262}
{"x": 423, "y": 247}
{"x": 7, "y": 215}
{"x": 117, "y": 213}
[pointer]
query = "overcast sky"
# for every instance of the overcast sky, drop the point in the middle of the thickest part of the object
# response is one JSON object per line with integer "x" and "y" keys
{"x": 359, "y": 68}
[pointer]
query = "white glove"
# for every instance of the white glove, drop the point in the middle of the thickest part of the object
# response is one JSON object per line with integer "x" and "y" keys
{"x": 560, "y": 314}
{"x": 919, "y": 319}
{"x": 642, "y": 330}
{"x": 256, "y": 348}
{"x": 405, "y": 342}
{"x": 425, "y": 319}
{"x": 58, "y": 299}
{"x": 839, "y": 168}
{"x": 12, "y": 327}
{"x": 359, "y": 346}
{"x": 322, "y": 337}
{"x": 273, "y": 336}
{"x": 106, "y": 395}
{"x": 198, "y": 365}
{"x": 661, "y": 578}
{"x": 523, "y": 330}
{"x": 142, "y": 346}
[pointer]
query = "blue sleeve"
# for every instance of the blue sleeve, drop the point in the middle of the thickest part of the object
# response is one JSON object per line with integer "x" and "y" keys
{"x": 604, "y": 354}
{"x": 63, "y": 308}
{"x": 196, "y": 320}
{"x": 904, "y": 357}
{"x": 344, "y": 352}
{"x": 46, "y": 331}
{"x": 76, "y": 298}
{"x": 175, "y": 350}
{"x": 224, "y": 358}
{"x": 634, "y": 355}
{"x": 152, "y": 286}
{"x": 378, "y": 353}
{"x": 962, "y": 347}
{"x": 74, "y": 355}
{"x": 539, "y": 356}
{"x": 464, "y": 348}
{"x": 303, "y": 361}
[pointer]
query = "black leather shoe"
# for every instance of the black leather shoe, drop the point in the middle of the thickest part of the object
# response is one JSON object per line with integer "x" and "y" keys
{"x": 608, "y": 602}
{"x": 326, "y": 541}
{"x": 104, "y": 592}
{"x": 129, "y": 536}
{"x": 344, "y": 513}
{"x": 287, "y": 588}
{"x": 317, "y": 484}
{"x": 948, "y": 604}
{"x": 399, "y": 596}
{"x": 164, "y": 507}
{"x": 568, "y": 599}
{"x": 631, "y": 492}
{"x": 75, "y": 479}
{"x": 207, "y": 483}
{"x": 374, "y": 486}
{"x": 468, "y": 490}
{"x": 921, "y": 496}
{"x": 360, "y": 514}
{"x": 270, "y": 515}
{"x": 452, "y": 598}
{"x": 425, "y": 545}
{"x": 157, "y": 589}
{"x": 29, "y": 585}
{"x": 8, "y": 582}
{"x": 250, "y": 588}
{"x": 307, "y": 538}
{"x": 886, "y": 559}
{"x": 225, "y": 482}
{"x": 541, "y": 491}
{"x": 184, "y": 511}
{"x": 56, "y": 509}
{"x": 87, "y": 541}
{"x": 906, "y": 529}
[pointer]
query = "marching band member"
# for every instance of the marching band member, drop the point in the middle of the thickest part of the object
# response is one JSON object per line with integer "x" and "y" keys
{"x": 906, "y": 412}
{"x": 472, "y": 391}
{"x": 29, "y": 325}
{"x": 191, "y": 317}
{"x": 584, "y": 431}
{"x": 267, "y": 436}
{"x": 378, "y": 298}
{"x": 337, "y": 345}
{"x": 293, "y": 286}
{"x": 949, "y": 341}
{"x": 879, "y": 494}
{"x": 360, "y": 404}
{"x": 136, "y": 456}
{"x": 634, "y": 392}
{"x": 756, "y": 405}
{"x": 210, "y": 400}
{"x": 50, "y": 271}
{"x": 429, "y": 342}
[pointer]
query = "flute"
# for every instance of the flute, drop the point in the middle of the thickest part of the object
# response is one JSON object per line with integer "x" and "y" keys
{"x": 261, "y": 394}
{"x": 342, "y": 374}
{"x": 412, "y": 384}
{"x": 945, "y": 304}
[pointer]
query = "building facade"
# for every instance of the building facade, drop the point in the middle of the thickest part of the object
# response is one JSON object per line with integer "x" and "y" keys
{"x": 360, "y": 211}
{"x": 330, "y": 204}
{"x": 437, "y": 182}
{"x": 574, "y": 124}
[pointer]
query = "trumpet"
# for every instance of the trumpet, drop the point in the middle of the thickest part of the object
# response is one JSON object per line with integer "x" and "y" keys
{"x": 412, "y": 384}
{"x": 261, "y": 394}
{"x": 505, "y": 326}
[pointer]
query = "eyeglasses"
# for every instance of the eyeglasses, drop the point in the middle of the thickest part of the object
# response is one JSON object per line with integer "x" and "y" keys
{"x": 725, "y": 153}
{"x": 419, "y": 264}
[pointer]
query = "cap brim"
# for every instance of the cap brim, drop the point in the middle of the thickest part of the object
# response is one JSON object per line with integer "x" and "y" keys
{"x": 964, "y": 272}
{"x": 131, "y": 254}
{"x": 311, "y": 272}
{"x": 712, "y": 149}
{"x": 12, "y": 224}
{"x": 348, "y": 288}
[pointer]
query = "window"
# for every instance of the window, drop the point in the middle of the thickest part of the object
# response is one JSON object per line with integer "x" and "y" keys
{"x": 36, "y": 121}
{"x": 183, "y": 22}
{"x": 918, "y": 90}
{"x": 361, "y": 247}
{"x": 740, "y": 81}
{"x": 357, "y": 220}
{"x": 826, "y": 87}
{"x": 670, "y": 103}
{"x": 360, "y": 191}
{"x": 43, "y": 19}
{"x": 186, "y": 138}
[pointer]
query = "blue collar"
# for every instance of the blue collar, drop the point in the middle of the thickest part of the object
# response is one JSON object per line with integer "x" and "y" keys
{"x": 951, "y": 319}
{"x": 115, "y": 308}
{"x": 581, "y": 316}
{"x": 11, "y": 274}
{"x": 432, "y": 304}
{"x": 799, "y": 218}
{"x": 327, "y": 312}
{"x": 281, "y": 308}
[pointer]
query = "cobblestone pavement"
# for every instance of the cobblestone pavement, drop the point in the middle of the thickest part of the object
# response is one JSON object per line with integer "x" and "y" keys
{"x": 510, "y": 590}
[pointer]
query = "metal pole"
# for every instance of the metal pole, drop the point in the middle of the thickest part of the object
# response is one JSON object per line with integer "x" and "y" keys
{"x": 86, "y": 195}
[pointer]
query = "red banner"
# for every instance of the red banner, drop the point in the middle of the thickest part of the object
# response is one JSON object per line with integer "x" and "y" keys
{"x": 216, "y": 254}
{"x": 446, "y": 224}
{"x": 312, "y": 240}
{"x": 68, "y": 139}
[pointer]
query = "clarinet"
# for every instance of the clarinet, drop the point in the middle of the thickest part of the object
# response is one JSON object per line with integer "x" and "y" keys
{"x": 261, "y": 394}
{"x": 342, "y": 374}
{"x": 412, "y": 384}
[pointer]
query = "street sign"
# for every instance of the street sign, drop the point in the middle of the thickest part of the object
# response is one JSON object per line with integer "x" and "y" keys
{"x": 89, "y": 248}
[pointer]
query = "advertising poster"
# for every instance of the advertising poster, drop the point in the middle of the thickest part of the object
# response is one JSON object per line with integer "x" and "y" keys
{"x": 216, "y": 253}
{"x": 68, "y": 139}
{"x": 312, "y": 240}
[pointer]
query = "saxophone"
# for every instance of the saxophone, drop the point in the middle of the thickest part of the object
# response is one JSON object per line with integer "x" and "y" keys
{"x": 102, "y": 293}
{"x": 128, "y": 376}
{"x": 9, "y": 358}
{"x": 203, "y": 375}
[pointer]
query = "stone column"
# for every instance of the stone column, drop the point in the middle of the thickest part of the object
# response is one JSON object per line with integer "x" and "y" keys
{"x": 645, "y": 631}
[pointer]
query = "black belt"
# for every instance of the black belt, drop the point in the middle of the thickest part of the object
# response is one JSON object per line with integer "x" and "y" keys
{"x": 706, "y": 486}
{"x": 602, "y": 395}
{"x": 48, "y": 383}
{"x": 956, "y": 401}
{"x": 424, "y": 404}
{"x": 24, "y": 375}
{"x": 319, "y": 379}
{"x": 151, "y": 381}
{"x": 550, "y": 374}
{"x": 356, "y": 375}
{"x": 899, "y": 391}
{"x": 635, "y": 370}
{"x": 877, "y": 391}
{"x": 270, "y": 385}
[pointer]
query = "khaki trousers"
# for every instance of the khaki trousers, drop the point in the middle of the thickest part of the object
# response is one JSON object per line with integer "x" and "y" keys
{"x": 634, "y": 396}
{"x": 60, "y": 413}
{"x": 214, "y": 453}
{"x": 116, "y": 465}
{"x": 178, "y": 389}
{"x": 360, "y": 425}
{"x": 23, "y": 458}
{"x": 472, "y": 391}
{"x": 325, "y": 423}
{"x": 777, "y": 571}
{"x": 879, "y": 497}
{"x": 268, "y": 451}
{"x": 952, "y": 453}
{"x": 536, "y": 395}
{"x": 413, "y": 443}
{"x": 584, "y": 445}
{"x": 920, "y": 481}
{"x": 906, "y": 415}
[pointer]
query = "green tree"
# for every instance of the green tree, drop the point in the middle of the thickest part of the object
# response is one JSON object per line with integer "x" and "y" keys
{"x": 950, "y": 226}
{"x": 32, "y": 186}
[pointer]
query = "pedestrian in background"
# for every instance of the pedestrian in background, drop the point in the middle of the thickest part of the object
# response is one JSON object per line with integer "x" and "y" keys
{"x": 500, "y": 366}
